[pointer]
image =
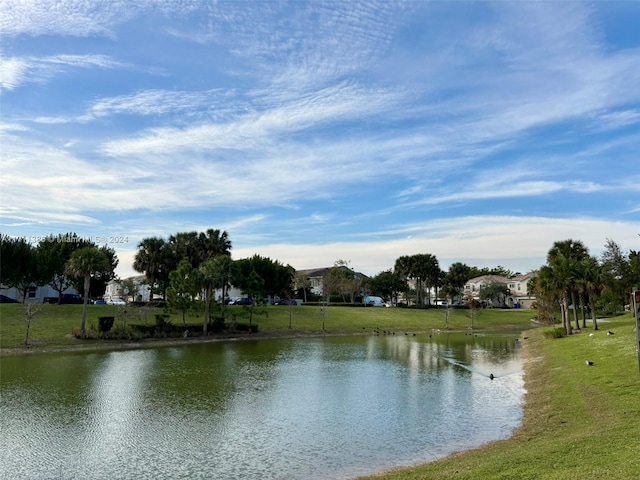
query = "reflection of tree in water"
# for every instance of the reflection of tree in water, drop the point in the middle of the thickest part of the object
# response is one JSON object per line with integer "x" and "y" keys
{"x": 468, "y": 353}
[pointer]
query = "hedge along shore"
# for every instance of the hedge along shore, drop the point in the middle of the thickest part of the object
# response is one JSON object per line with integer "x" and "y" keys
{"x": 580, "y": 421}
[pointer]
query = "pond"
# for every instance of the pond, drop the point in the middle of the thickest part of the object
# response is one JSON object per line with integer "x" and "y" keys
{"x": 322, "y": 408}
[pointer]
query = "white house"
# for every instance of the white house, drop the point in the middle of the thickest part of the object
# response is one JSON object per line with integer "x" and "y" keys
{"x": 519, "y": 295}
{"x": 35, "y": 294}
{"x": 114, "y": 290}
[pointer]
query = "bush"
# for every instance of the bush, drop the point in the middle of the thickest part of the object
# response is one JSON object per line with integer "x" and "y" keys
{"x": 559, "y": 332}
{"x": 105, "y": 323}
{"x": 245, "y": 327}
{"x": 217, "y": 324}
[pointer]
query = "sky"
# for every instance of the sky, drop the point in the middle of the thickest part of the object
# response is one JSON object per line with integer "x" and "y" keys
{"x": 316, "y": 131}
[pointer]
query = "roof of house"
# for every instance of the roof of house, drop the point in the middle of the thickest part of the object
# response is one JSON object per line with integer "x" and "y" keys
{"x": 525, "y": 277}
{"x": 489, "y": 279}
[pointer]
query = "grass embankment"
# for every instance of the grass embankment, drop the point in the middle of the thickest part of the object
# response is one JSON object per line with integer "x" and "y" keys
{"x": 54, "y": 324}
{"x": 580, "y": 421}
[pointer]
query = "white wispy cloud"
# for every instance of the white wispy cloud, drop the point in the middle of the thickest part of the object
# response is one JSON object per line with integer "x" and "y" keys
{"x": 17, "y": 71}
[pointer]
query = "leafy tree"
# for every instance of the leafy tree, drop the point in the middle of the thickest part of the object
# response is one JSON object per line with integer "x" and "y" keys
{"x": 387, "y": 284}
{"x": 85, "y": 263}
{"x": 53, "y": 254}
{"x": 98, "y": 282}
{"x": 128, "y": 288}
{"x": 19, "y": 265}
{"x": 495, "y": 291}
{"x": 184, "y": 286}
{"x": 342, "y": 280}
{"x": 277, "y": 278}
{"x": 542, "y": 287}
{"x": 303, "y": 283}
{"x": 152, "y": 259}
{"x": 455, "y": 279}
{"x": 616, "y": 274}
{"x": 214, "y": 274}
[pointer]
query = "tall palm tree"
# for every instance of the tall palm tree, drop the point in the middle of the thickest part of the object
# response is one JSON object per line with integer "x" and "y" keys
{"x": 564, "y": 258}
{"x": 213, "y": 243}
{"x": 151, "y": 260}
{"x": 84, "y": 263}
{"x": 210, "y": 245}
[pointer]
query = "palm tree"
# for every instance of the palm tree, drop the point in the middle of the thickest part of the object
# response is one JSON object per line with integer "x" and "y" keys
{"x": 213, "y": 243}
{"x": 563, "y": 259}
{"x": 150, "y": 260}
{"x": 84, "y": 263}
{"x": 209, "y": 246}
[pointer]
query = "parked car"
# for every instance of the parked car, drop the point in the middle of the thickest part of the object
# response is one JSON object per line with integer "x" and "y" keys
{"x": 100, "y": 302}
{"x": 5, "y": 299}
{"x": 244, "y": 301}
{"x": 116, "y": 301}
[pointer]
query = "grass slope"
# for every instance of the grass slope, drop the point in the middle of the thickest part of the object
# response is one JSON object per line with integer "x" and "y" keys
{"x": 580, "y": 421}
{"x": 54, "y": 323}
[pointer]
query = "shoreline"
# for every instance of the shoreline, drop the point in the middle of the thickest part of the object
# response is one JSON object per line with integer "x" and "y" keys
{"x": 118, "y": 345}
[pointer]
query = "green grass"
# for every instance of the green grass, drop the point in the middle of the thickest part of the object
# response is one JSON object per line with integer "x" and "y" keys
{"x": 54, "y": 324}
{"x": 580, "y": 421}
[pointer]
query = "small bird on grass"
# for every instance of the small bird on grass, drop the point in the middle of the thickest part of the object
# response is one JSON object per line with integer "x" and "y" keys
{"x": 588, "y": 362}
{"x": 609, "y": 332}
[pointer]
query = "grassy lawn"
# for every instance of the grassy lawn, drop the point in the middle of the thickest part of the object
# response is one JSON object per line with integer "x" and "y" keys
{"x": 580, "y": 421}
{"x": 54, "y": 324}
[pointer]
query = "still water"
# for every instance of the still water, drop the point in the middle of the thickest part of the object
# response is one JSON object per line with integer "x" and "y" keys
{"x": 325, "y": 408}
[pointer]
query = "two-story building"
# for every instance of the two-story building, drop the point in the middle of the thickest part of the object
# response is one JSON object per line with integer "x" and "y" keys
{"x": 519, "y": 294}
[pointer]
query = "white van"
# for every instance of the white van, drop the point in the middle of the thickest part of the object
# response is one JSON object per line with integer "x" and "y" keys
{"x": 374, "y": 302}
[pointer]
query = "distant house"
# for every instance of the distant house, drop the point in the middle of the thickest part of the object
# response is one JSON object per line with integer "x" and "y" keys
{"x": 114, "y": 290}
{"x": 35, "y": 294}
{"x": 519, "y": 295}
{"x": 316, "y": 277}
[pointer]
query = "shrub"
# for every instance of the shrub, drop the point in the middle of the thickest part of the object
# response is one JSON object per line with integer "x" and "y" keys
{"x": 105, "y": 323}
{"x": 559, "y": 332}
{"x": 245, "y": 327}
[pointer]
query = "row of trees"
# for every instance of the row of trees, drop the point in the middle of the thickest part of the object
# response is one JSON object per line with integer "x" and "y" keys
{"x": 574, "y": 279}
{"x": 425, "y": 271}
{"x": 60, "y": 261}
{"x": 189, "y": 267}
{"x": 24, "y": 266}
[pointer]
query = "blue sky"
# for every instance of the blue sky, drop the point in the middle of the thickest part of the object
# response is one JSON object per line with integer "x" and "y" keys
{"x": 317, "y": 131}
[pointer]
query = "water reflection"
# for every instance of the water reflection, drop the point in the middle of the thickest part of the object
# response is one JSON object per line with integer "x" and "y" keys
{"x": 317, "y": 408}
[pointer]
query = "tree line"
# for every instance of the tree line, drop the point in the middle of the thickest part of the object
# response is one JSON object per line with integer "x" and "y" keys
{"x": 25, "y": 266}
{"x": 60, "y": 261}
{"x": 576, "y": 280}
{"x": 188, "y": 268}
